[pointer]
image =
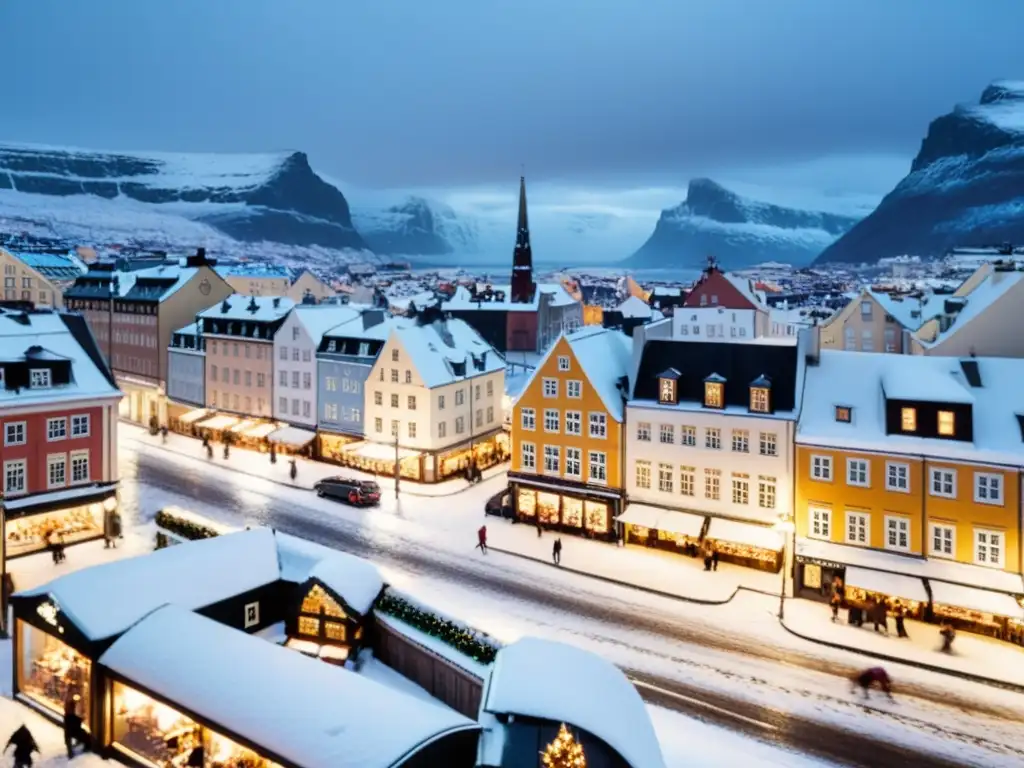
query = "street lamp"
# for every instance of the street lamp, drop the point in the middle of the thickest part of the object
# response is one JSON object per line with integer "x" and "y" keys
{"x": 785, "y": 526}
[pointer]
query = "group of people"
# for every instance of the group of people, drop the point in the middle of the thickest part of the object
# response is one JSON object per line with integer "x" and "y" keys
{"x": 556, "y": 547}
{"x": 876, "y": 612}
{"x": 25, "y": 745}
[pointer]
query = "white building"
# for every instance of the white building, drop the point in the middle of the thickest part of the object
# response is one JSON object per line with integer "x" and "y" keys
{"x": 721, "y": 307}
{"x": 438, "y": 389}
{"x": 295, "y": 363}
{"x": 709, "y": 445}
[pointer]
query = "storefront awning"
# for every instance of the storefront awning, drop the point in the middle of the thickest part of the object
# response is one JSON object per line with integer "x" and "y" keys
{"x": 260, "y": 431}
{"x": 242, "y": 426}
{"x": 219, "y": 422}
{"x": 669, "y": 520}
{"x": 379, "y": 451}
{"x": 959, "y": 596}
{"x": 194, "y": 416}
{"x": 889, "y": 584}
{"x": 642, "y": 515}
{"x": 293, "y": 436}
{"x": 759, "y": 536}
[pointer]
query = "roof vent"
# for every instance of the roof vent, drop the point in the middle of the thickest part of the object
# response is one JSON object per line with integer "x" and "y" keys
{"x": 225, "y": 307}
{"x": 277, "y": 302}
{"x": 253, "y": 306}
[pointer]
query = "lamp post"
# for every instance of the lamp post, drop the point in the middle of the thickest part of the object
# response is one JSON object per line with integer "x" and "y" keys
{"x": 785, "y": 525}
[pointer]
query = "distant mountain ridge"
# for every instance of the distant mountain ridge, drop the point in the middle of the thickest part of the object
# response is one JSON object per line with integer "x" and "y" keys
{"x": 736, "y": 230}
{"x": 415, "y": 226}
{"x": 965, "y": 186}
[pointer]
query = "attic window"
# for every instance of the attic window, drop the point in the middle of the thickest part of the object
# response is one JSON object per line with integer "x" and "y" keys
{"x": 714, "y": 393}
{"x": 39, "y": 378}
{"x": 759, "y": 399}
{"x": 947, "y": 424}
{"x": 908, "y": 419}
{"x": 844, "y": 414}
{"x": 668, "y": 387}
{"x": 332, "y": 346}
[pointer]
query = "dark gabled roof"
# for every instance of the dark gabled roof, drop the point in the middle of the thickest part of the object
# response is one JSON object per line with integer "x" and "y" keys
{"x": 738, "y": 364}
{"x": 80, "y": 330}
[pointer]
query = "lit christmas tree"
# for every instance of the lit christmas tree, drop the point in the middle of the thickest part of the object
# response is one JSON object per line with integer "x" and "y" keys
{"x": 564, "y": 751}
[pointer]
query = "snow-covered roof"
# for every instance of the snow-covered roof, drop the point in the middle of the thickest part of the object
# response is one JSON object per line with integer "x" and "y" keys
{"x": 152, "y": 283}
{"x": 436, "y": 348}
{"x": 564, "y": 684}
{"x": 253, "y": 269}
{"x": 909, "y": 312}
{"x": 462, "y": 299}
{"x": 57, "y": 266}
{"x": 59, "y": 337}
{"x": 318, "y": 319}
{"x": 995, "y": 285}
{"x": 635, "y": 307}
{"x": 746, "y": 286}
{"x": 192, "y": 576}
{"x": 605, "y": 356}
{"x": 357, "y": 581}
{"x": 299, "y": 709}
{"x": 240, "y": 307}
{"x": 861, "y": 381}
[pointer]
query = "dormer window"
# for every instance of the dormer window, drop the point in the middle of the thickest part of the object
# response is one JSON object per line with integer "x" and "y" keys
{"x": 947, "y": 424}
{"x": 332, "y": 346}
{"x": 714, "y": 391}
{"x": 760, "y": 395}
{"x": 668, "y": 387}
{"x": 844, "y": 414}
{"x": 908, "y": 419}
{"x": 39, "y": 378}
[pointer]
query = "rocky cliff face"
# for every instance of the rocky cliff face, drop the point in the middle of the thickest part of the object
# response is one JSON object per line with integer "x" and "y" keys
{"x": 415, "y": 227}
{"x": 276, "y": 198}
{"x": 737, "y": 231}
{"x": 965, "y": 187}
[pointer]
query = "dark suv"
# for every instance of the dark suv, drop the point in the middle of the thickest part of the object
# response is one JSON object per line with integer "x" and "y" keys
{"x": 358, "y": 493}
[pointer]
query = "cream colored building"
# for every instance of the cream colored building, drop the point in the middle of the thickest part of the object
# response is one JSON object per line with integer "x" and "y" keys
{"x": 256, "y": 279}
{"x": 39, "y": 277}
{"x": 874, "y": 321}
{"x": 308, "y": 282}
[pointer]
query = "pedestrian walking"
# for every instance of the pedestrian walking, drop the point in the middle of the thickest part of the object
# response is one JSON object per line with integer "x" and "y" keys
{"x": 870, "y": 677}
{"x": 273, "y": 454}
{"x": 708, "y": 550}
{"x": 227, "y": 449}
{"x": 481, "y": 539}
{"x": 208, "y": 447}
{"x": 556, "y": 551}
{"x": 948, "y": 634}
{"x": 51, "y": 544}
{"x": 163, "y": 434}
{"x": 714, "y": 557}
{"x": 878, "y": 615}
{"x": 74, "y": 734}
{"x": 899, "y": 611}
{"x": 540, "y": 528}
{"x": 835, "y": 602}
{"x": 293, "y": 470}
{"x": 24, "y": 745}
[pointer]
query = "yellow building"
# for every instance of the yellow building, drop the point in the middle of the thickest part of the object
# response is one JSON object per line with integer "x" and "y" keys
{"x": 908, "y": 478}
{"x": 568, "y": 436}
{"x": 39, "y": 278}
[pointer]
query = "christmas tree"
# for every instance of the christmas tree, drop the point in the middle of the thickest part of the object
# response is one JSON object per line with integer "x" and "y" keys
{"x": 564, "y": 751}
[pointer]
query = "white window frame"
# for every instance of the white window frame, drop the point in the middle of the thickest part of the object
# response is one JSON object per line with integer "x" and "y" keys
{"x": 573, "y": 455}
{"x": 553, "y": 456}
{"x": 819, "y": 523}
{"x": 767, "y": 492}
{"x": 821, "y": 468}
{"x": 563, "y": 362}
{"x": 55, "y": 460}
{"x": 666, "y": 477}
{"x": 76, "y": 422}
{"x": 853, "y": 467}
{"x": 574, "y": 389}
{"x": 667, "y": 434}
{"x": 688, "y": 436}
{"x": 713, "y": 438}
{"x": 643, "y": 431}
{"x": 687, "y": 481}
{"x": 934, "y": 527}
{"x": 740, "y": 490}
{"x": 597, "y": 460}
{"x": 40, "y": 378}
{"x": 741, "y": 441}
{"x": 574, "y": 423}
{"x": 552, "y": 417}
{"x": 768, "y": 444}
{"x": 527, "y": 457}
{"x": 713, "y": 484}
{"x": 16, "y": 426}
{"x": 891, "y": 482}
{"x": 889, "y": 520}
{"x": 985, "y": 483}
{"x": 72, "y": 458}
{"x": 527, "y": 418}
{"x": 943, "y": 472}
{"x": 987, "y": 561}
{"x": 598, "y": 421}
{"x": 550, "y": 388}
{"x": 53, "y": 435}
{"x": 13, "y": 464}
{"x": 642, "y": 474}
{"x": 863, "y": 526}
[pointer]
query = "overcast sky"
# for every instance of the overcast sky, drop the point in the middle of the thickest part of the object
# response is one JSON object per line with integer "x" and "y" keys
{"x": 463, "y": 92}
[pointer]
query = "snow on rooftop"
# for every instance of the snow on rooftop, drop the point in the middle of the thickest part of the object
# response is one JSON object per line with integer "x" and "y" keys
{"x": 565, "y": 684}
{"x": 192, "y": 576}
{"x": 435, "y": 347}
{"x": 909, "y": 312}
{"x": 605, "y": 356}
{"x": 318, "y": 319}
{"x": 357, "y": 581}
{"x": 299, "y": 709}
{"x": 240, "y": 307}
{"x": 746, "y": 286}
{"x": 987, "y": 292}
{"x": 856, "y": 380}
{"x": 635, "y": 307}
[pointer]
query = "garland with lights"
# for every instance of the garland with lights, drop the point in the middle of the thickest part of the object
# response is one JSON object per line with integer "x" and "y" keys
{"x": 564, "y": 751}
{"x": 463, "y": 638}
{"x": 187, "y": 529}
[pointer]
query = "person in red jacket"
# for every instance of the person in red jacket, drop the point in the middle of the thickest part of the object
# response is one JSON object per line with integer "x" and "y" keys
{"x": 869, "y": 677}
{"x": 481, "y": 539}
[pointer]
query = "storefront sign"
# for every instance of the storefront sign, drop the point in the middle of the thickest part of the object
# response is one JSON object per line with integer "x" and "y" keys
{"x": 817, "y": 561}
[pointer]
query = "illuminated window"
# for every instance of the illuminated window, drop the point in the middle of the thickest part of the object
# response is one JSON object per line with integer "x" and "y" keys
{"x": 759, "y": 399}
{"x": 844, "y": 414}
{"x": 946, "y": 423}
{"x": 309, "y": 626}
{"x": 714, "y": 394}
{"x": 317, "y": 601}
{"x": 667, "y": 391}
{"x": 908, "y": 419}
{"x": 334, "y": 631}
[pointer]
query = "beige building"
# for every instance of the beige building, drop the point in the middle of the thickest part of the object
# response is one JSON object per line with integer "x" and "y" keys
{"x": 308, "y": 282}
{"x": 255, "y": 279}
{"x": 40, "y": 278}
{"x": 239, "y": 337}
{"x": 874, "y": 321}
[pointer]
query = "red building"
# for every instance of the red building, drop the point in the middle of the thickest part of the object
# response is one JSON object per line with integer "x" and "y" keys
{"x": 58, "y": 424}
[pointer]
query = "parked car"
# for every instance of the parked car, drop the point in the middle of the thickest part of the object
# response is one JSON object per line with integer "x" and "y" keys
{"x": 500, "y": 504}
{"x": 358, "y": 493}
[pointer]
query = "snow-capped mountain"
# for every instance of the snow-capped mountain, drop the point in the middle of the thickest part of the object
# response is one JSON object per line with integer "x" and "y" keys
{"x": 965, "y": 187}
{"x": 252, "y": 198}
{"x": 736, "y": 230}
{"x": 415, "y": 227}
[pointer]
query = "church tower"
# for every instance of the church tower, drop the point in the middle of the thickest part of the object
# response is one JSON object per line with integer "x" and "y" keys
{"x": 523, "y": 286}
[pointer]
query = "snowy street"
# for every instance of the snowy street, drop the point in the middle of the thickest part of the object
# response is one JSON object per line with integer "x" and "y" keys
{"x": 731, "y": 666}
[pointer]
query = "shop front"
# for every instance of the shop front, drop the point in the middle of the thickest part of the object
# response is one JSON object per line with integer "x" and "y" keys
{"x": 71, "y": 516}
{"x": 483, "y": 452}
{"x": 667, "y": 529}
{"x": 982, "y": 611}
{"x": 143, "y": 401}
{"x": 332, "y": 446}
{"x": 577, "y": 510}
{"x": 379, "y": 459}
{"x": 185, "y": 423}
{"x": 747, "y": 544}
{"x": 49, "y": 673}
{"x": 292, "y": 440}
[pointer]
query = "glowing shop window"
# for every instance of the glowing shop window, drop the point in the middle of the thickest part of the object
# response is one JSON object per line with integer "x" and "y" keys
{"x": 946, "y": 423}
{"x": 713, "y": 394}
{"x": 527, "y": 503}
{"x": 152, "y": 730}
{"x": 50, "y": 671}
{"x": 908, "y": 419}
{"x": 334, "y": 631}
{"x": 309, "y": 626}
{"x": 597, "y": 516}
{"x": 222, "y": 751}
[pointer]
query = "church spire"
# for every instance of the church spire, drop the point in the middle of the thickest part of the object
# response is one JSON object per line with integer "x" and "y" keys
{"x": 522, "y": 256}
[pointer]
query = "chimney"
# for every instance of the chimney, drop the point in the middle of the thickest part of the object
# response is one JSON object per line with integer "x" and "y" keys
{"x": 277, "y": 302}
{"x": 813, "y": 343}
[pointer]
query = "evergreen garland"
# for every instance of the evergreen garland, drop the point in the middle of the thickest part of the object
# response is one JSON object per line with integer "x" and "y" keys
{"x": 466, "y": 640}
{"x": 184, "y": 528}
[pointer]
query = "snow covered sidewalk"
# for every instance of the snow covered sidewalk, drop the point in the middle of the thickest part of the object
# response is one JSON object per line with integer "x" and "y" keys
{"x": 651, "y": 570}
{"x": 972, "y": 654}
{"x": 308, "y": 473}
